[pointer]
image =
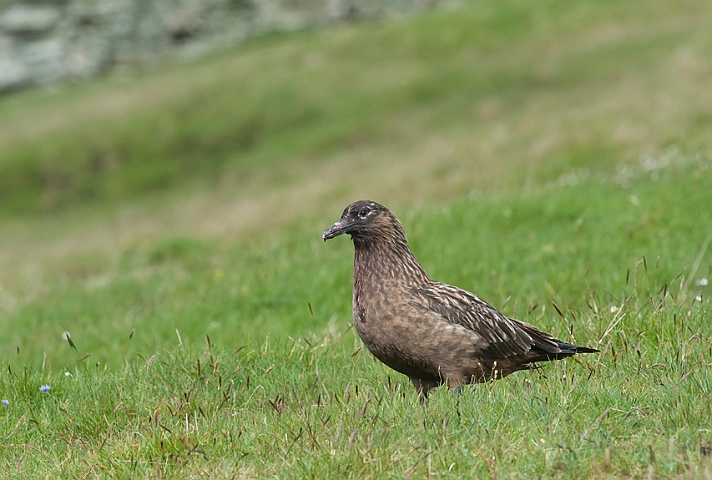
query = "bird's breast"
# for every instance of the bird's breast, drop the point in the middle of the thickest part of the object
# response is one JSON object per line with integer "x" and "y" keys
{"x": 359, "y": 309}
{"x": 372, "y": 307}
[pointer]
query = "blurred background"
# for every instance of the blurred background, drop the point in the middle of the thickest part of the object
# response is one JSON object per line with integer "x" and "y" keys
{"x": 150, "y": 149}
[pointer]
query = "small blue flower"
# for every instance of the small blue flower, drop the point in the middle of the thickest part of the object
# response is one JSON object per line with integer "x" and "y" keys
{"x": 45, "y": 388}
{"x": 5, "y": 401}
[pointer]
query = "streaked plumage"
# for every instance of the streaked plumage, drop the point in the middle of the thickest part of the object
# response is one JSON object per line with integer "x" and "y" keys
{"x": 432, "y": 332}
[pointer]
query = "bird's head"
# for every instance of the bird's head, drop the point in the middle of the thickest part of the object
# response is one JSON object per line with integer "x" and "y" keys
{"x": 363, "y": 220}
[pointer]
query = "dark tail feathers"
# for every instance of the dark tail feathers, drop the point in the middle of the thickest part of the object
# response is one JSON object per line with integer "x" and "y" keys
{"x": 569, "y": 349}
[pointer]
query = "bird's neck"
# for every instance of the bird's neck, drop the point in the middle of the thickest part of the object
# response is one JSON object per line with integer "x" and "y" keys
{"x": 387, "y": 261}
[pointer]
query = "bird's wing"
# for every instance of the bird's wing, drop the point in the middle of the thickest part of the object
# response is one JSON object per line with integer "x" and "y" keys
{"x": 503, "y": 337}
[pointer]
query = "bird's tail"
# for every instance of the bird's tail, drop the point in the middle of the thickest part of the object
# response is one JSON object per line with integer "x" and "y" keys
{"x": 568, "y": 349}
{"x": 549, "y": 347}
{"x": 586, "y": 350}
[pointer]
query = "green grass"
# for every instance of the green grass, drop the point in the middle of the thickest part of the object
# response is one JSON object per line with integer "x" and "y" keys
{"x": 170, "y": 222}
{"x": 488, "y": 69}
{"x": 241, "y": 361}
{"x": 287, "y": 409}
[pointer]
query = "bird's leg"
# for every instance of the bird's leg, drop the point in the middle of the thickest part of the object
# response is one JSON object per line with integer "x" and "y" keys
{"x": 457, "y": 389}
{"x": 419, "y": 388}
{"x": 423, "y": 387}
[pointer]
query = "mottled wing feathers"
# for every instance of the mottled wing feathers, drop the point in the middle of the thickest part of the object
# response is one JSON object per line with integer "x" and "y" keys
{"x": 502, "y": 337}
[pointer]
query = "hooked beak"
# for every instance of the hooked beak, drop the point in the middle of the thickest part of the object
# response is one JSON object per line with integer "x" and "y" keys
{"x": 335, "y": 230}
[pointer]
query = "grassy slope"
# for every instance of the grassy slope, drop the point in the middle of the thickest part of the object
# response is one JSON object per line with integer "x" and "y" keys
{"x": 479, "y": 83}
{"x": 144, "y": 405}
{"x": 549, "y": 130}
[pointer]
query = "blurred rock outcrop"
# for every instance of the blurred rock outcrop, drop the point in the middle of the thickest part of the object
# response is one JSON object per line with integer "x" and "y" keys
{"x": 48, "y": 41}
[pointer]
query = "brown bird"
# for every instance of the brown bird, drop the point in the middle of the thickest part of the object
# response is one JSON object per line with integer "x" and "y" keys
{"x": 432, "y": 332}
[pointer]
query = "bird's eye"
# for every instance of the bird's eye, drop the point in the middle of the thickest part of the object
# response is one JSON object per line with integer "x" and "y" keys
{"x": 363, "y": 213}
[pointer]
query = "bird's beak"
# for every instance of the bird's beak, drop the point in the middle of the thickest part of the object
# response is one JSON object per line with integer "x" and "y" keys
{"x": 335, "y": 230}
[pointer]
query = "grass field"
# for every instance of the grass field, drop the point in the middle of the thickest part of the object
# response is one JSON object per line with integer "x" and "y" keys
{"x": 168, "y": 223}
